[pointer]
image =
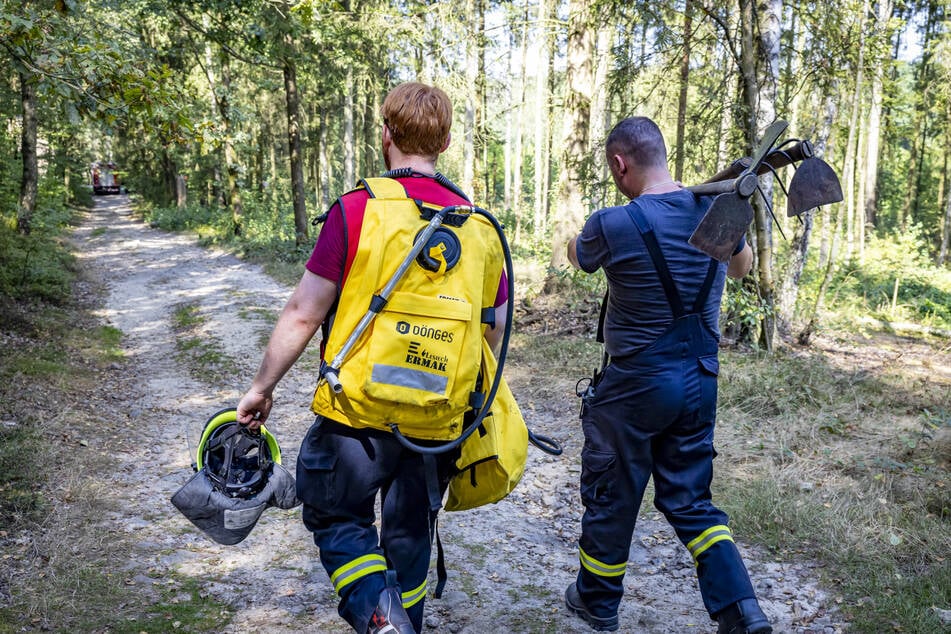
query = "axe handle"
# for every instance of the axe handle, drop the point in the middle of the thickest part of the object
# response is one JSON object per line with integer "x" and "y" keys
{"x": 775, "y": 159}
{"x": 711, "y": 188}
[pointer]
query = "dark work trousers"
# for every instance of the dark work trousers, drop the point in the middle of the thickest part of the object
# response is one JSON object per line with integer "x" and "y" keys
{"x": 653, "y": 413}
{"x": 340, "y": 470}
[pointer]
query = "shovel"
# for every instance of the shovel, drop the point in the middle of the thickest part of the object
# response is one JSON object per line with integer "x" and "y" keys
{"x": 731, "y": 213}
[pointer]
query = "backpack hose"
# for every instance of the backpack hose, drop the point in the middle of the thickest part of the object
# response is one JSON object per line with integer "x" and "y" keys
{"x": 546, "y": 444}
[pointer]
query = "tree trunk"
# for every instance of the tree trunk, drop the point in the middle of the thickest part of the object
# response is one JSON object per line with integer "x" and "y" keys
{"x": 599, "y": 113}
{"x": 326, "y": 175}
{"x": 296, "y": 152}
{"x": 542, "y": 122}
{"x": 788, "y": 294}
{"x": 945, "y": 233}
{"x": 482, "y": 139}
{"x": 518, "y": 152}
{"x": 181, "y": 192}
{"x": 882, "y": 16}
{"x": 469, "y": 116}
{"x": 30, "y": 175}
{"x": 682, "y": 99}
{"x": 759, "y": 91}
{"x": 577, "y": 109}
{"x": 231, "y": 160}
{"x": 945, "y": 198}
{"x": 848, "y": 172}
{"x": 349, "y": 139}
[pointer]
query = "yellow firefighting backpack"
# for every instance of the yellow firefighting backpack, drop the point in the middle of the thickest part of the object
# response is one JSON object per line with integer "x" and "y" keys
{"x": 407, "y": 352}
{"x": 417, "y": 363}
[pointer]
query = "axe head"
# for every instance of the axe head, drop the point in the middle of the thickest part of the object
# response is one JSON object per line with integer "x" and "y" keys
{"x": 723, "y": 225}
{"x": 814, "y": 184}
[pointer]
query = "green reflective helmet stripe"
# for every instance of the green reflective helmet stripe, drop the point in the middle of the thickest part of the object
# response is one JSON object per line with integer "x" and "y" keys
{"x": 224, "y": 417}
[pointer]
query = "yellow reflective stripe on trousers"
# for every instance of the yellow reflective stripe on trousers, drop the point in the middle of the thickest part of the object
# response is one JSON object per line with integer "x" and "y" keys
{"x": 412, "y": 597}
{"x": 708, "y": 538}
{"x": 357, "y": 569}
{"x": 599, "y": 567}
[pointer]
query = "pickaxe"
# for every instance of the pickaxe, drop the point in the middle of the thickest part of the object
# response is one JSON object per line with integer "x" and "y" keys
{"x": 814, "y": 184}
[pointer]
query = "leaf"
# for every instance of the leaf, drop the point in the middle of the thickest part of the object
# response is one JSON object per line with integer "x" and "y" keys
{"x": 894, "y": 539}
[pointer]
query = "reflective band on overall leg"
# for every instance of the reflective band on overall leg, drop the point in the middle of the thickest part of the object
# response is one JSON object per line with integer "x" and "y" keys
{"x": 357, "y": 569}
{"x": 412, "y": 597}
{"x": 706, "y": 539}
{"x": 600, "y": 568}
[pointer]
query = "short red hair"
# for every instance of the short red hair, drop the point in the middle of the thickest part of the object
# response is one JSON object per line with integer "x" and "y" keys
{"x": 419, "y": 118}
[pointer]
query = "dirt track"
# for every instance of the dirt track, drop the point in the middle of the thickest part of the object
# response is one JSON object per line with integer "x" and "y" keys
{"x": 508, "y": 564}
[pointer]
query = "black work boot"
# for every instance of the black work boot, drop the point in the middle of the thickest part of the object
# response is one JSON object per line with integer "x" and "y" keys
{"x": 576, "y": 604}
{"x": 389, "y": 617}
{"x": 743, "y": 617}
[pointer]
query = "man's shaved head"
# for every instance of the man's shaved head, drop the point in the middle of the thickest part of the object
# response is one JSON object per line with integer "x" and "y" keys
{"x": 640, "y": 141}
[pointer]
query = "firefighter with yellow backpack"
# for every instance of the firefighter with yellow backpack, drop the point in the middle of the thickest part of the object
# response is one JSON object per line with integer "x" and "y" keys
{"x": 408, "y": 282}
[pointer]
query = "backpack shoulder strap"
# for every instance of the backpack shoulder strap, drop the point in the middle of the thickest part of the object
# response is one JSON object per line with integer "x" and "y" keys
{"x": 382, "y": 187}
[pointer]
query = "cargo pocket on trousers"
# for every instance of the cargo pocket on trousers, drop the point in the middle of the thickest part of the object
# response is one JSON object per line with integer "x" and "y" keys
{"x": 316, "y": 477}
{"x": 709, "y": 370}
{"x": 597, "y": 476}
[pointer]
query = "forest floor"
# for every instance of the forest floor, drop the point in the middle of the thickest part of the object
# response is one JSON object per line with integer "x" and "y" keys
{"x": 194, "y": 322}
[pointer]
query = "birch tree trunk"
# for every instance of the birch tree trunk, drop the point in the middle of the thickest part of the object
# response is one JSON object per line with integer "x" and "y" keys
{"x": 469, "y": 118}
{"x": 544, "y": 44}
{"x": 760, "y": 75}
{"x": 578, "y": 90}
{"x": 882, "y": 15}
{"x": 788, "y": 294}
{"x": 945, "y": 234}
{"x": 848, "y": 172}
{"x": 349, "y": 137}
{"x": 518, "y": 153}
{"x": 599, "y": 112}
{"x": 323, "y": 158}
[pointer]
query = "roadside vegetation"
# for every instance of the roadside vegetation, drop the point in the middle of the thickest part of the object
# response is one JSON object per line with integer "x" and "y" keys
{"x": 838, "y": 453}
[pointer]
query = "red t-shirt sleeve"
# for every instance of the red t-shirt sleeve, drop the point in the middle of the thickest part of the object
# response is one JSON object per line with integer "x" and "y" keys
{"x": 327, "y": 258}
{"x": 502, "y": 295}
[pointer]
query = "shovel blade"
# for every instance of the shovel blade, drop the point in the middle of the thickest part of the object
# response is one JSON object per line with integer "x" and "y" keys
{"x": 722, "y": 226}
{"x": 814, "y": 184}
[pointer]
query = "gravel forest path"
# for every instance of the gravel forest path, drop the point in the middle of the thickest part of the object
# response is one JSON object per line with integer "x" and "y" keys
{"x": 508, "y": 563}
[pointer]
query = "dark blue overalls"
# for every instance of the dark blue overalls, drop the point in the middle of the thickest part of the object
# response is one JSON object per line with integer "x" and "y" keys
{"x": 340, "y": 470}
{"x": 653, "y": 413}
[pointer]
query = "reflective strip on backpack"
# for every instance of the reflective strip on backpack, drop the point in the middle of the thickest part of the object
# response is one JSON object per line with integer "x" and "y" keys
{"x": 412, "y": 597}
{"x": 599, "y": 567}
{"x": 357, "y": 569}
{"x": 706, "y": 539}
{"x": 406, "y": 377}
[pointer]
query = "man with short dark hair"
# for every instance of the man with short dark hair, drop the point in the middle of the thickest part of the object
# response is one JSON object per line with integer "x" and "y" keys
{"x": 343, "y": 465}
{"x": 653, "y": 409}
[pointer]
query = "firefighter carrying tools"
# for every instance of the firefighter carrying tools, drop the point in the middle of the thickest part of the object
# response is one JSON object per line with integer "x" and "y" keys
{"x": 651, "y": 410}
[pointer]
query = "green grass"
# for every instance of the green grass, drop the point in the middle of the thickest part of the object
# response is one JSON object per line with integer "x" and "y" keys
{"x": 204, "y": 356}
{"x": 845, "y": 466}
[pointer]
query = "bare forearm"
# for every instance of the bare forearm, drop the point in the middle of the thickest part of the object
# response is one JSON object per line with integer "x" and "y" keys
{"x": 741, "y": 263}
{"x": 494, "y": 335}
{"x": 289, "y": 339}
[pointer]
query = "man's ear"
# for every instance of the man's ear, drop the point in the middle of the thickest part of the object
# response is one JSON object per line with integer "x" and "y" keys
{"x": 445, "y": 145}
{"x": 618, "y": 164}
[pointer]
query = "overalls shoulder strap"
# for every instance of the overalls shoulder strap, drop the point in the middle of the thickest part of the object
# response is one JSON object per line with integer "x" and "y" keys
{"x": 663, "y": 271}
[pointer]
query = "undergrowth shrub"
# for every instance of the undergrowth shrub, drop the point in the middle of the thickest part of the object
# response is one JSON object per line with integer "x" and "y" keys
{"x": 895, "y": 281}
